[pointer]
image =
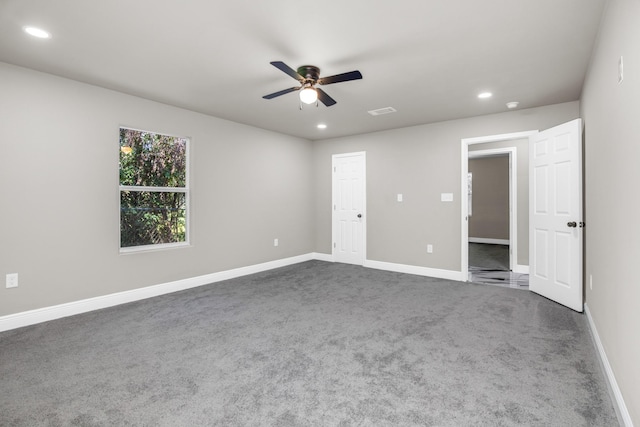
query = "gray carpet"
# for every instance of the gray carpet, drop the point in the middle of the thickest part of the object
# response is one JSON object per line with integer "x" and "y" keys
{"x": 315, "y": 344}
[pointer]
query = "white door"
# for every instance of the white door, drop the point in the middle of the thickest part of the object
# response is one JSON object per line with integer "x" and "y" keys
{"x": 555, "y": 206}
{"x": 349, "y": 219}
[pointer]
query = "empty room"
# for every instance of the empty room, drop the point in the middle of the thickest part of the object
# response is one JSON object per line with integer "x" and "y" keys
{"x": 266, "y": 213}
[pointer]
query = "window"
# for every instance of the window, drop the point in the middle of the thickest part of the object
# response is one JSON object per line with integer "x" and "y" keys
{"x": 154, "y": 190}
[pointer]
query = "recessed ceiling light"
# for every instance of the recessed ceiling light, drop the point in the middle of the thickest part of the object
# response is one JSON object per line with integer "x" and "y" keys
{"x": 380, "y": 111}
{"x": 37, "y": 32}
{"x": 322, "y": 126}
{"x": 485, "y": 95}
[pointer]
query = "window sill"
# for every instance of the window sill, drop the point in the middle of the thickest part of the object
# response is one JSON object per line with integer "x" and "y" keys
{"x": 153, "y": 248}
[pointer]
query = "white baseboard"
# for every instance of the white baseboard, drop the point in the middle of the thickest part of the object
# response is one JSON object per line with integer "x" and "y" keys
{"x": 414, "y": 269}
{"x": 621, "y": 407}
{"x": 522, "y": 269}
{"x": 46, "y": 314}
{"x": 322, "y": 257}
{"x": 489, "y": 241}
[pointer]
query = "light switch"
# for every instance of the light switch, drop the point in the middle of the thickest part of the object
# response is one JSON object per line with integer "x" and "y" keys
{"x": 446, "y": 197}
{"x": 620, "y": 70}
{"x": 399, "y": 197}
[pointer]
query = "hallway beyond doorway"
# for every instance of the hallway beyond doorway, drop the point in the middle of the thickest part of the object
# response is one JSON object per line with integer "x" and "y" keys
{"x": 489, "y": 265}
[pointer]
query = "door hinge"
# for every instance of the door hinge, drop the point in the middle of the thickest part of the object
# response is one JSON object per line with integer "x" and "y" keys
{"x": 334, "y": 245}
{"x": 334, "y": 168}
{"x": 334, "y": 207}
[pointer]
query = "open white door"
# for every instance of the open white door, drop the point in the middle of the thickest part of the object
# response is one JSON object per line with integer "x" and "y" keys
{"x": 349, "y": 219}
{"x": 555, "y": 218}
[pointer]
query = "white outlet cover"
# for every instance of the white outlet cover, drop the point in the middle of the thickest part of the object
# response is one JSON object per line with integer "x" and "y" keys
{"x": 446, "y": 197}
{"x": 12, "y": 280}
{"x": 399, "y": 197}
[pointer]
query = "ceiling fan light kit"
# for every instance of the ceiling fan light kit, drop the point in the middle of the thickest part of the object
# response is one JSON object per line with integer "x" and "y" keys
{"x": 309, "y": 76}
{"x": 308, "y": 95}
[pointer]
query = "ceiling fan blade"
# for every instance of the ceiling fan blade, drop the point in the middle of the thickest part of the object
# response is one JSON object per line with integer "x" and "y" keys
{"x": 282, "y": 92}
{"x": 324, "y": 98}
{"x": 344, "y": 77}
{"x": 288, "y": 70}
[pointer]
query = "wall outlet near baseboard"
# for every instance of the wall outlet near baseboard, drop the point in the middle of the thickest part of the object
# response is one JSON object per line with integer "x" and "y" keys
{"x": 430, "y": 249}
{"x": 12, "y": 280}
{"x": 275, "y": 242}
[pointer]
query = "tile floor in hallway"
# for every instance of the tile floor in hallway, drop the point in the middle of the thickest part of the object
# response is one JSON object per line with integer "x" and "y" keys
{"x": 489, "y": 265}
{"x": 505, "y": 279}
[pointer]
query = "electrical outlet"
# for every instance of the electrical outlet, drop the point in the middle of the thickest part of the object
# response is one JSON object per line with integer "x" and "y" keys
{"x": 12, "y": 280}
{"x": 399, "y": 197}
{"x": 275, "y": 242}
{"x": 430, "y": 249}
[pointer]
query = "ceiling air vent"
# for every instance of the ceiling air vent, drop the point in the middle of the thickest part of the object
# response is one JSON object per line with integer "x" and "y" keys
{"x": 381, "y": 111}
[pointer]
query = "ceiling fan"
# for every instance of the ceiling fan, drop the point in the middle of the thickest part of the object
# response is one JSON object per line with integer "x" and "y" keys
{"x": 309, "y": 77}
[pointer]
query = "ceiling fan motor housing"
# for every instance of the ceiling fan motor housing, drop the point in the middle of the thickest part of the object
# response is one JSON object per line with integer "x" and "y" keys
{"x": 309, "y": 72}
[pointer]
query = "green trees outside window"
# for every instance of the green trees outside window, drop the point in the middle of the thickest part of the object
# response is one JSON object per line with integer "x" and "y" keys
{"x": 153, "y": 189}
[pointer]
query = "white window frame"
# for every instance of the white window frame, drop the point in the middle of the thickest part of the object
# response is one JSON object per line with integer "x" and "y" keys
{"x": 185, "y": 190}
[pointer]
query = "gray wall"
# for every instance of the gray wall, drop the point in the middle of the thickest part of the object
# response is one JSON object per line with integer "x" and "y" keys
{"x": 522, "y": 151}
{"x": 59, "y": 222}
{"x": 611, "y": 114}
{"x": 420, "y": 162}
{"x": 490, "y": 199}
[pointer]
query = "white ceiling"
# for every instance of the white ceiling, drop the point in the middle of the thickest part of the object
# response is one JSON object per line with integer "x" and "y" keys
{"x": 426, "y": 58}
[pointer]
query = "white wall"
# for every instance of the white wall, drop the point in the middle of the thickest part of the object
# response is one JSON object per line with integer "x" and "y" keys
{"x": 611, "y": 113}
{"x": 59, "y": 221}
{"x": 420, "y": 162}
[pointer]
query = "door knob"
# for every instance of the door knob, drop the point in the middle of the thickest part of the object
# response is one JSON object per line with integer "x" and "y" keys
{"x": 359, "y": 215}
{"x": 572, "y": 224}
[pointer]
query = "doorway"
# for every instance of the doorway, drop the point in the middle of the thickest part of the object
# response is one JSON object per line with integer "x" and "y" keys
{"x": 493, "y": 216}
{"x": 554, "y": 212}
{"x": 492, "y": 204}
{"x": 514, "y": 242}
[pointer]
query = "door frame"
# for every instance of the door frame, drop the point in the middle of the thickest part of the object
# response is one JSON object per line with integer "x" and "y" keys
{"x": 464, "y": 201}
{"x": 334, "y": 229}
{"x": 512, "y": 153}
